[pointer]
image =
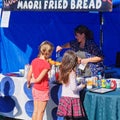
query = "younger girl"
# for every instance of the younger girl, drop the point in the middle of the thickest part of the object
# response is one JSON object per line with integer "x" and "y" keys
{"x": 38, "y": 75}
{"x": 70, "y": 106}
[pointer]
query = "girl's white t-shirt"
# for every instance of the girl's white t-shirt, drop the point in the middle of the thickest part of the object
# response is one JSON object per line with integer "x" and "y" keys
{"x": 71, "y": 89}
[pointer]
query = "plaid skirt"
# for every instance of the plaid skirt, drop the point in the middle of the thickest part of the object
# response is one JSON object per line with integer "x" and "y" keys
{"x": 71, "y": 107}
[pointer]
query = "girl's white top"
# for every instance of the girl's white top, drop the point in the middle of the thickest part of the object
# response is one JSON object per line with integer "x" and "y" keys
{"x": 71, "y": 89}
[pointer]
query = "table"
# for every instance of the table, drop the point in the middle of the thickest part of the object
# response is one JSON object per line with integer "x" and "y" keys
{"x": 102, "y": 106}
{"x": 16, "y": 99}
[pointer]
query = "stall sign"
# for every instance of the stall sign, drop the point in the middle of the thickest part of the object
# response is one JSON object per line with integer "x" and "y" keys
{"x": 58, "y": 5}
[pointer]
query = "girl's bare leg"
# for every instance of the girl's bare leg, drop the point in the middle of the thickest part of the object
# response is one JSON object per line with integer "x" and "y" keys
{"x": 35, "y": 111}
{"x": 41, "y": 109}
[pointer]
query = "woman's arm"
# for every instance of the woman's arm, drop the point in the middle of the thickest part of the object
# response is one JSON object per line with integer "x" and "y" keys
{"x": 91, "y": 59}
{"x": 94, "y": 50}
{"x": 59, "y": 48}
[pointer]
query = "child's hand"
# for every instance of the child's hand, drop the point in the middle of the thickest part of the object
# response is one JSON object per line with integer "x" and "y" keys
{"x": 84, "y": 82}
{"x": 28, "y": 84}
{"x": 83, "y": 85}
{"x": 32, "y": 80}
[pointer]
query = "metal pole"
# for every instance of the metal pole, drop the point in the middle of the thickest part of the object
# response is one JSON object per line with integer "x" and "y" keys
{"x": 101, "y": 30}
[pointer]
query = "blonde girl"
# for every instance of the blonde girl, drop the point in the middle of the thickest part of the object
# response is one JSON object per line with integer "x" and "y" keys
{"x": 38, "y": 75}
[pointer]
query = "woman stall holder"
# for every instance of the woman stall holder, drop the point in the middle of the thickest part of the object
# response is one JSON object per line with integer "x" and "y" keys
{"x": 87, "y": 50}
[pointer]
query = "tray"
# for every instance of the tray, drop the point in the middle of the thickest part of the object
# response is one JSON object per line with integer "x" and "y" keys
{"x": 101, "y": 90}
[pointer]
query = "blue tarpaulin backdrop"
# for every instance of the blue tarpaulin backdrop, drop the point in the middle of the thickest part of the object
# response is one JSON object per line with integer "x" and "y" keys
{"x": 27, "y": 29}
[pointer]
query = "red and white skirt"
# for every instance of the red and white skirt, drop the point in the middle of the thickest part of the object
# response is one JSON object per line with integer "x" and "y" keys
{"x": 71, "y": 107}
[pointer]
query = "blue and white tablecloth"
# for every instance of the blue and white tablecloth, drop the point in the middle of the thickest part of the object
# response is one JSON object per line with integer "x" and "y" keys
{"x": 16, "y": 99}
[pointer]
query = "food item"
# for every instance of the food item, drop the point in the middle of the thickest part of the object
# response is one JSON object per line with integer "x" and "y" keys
{"x": 52, "y": 62}
{"x": 89, "y": 82}
{"x": 57, "y": 63}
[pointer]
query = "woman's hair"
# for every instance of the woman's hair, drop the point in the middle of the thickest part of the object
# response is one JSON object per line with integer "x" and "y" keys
{"x": 83, "y": 29}
{"x": 46, "y": 49}
{"x": 69, "y": 62}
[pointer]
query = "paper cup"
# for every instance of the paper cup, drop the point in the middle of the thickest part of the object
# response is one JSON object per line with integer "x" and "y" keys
{"x": 22, "y": 72}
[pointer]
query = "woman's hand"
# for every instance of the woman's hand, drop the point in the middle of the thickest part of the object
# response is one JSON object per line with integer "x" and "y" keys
{"x": 58, "y": 48}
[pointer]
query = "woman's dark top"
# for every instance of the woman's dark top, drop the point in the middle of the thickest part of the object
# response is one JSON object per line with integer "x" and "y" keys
{"x": 91, "y": 49}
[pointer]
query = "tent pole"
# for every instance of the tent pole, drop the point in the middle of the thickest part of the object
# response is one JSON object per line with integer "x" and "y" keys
{"x": 101, "y": 29}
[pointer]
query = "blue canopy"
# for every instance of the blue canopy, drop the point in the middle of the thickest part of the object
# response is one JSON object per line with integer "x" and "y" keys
{"x": 27, "y": 29}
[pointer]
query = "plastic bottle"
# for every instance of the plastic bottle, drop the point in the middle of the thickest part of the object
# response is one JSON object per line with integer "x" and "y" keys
{"x": 27, "y": 67}
{"x": 52, "y": 74}
{"x": 99, "y": 76}
{"x": 99, "y": 82}
{"x": 108, "y": 84}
